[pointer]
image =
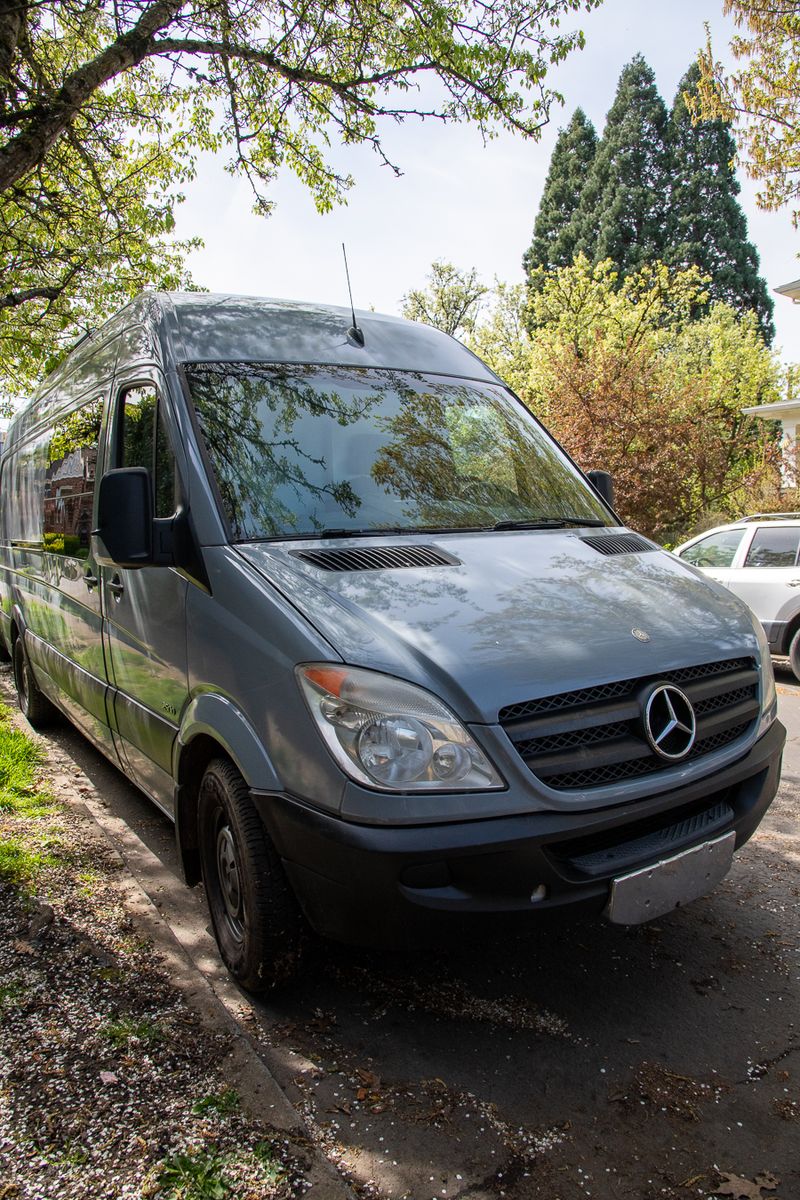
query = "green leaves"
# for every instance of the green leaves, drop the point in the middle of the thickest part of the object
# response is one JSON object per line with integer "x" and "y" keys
{"x": 622, "y": 210}
{"x": 762, "y": 96}
{"x": 639, "y": 376}
{"x": 451, "y": 301}
{"x": 653, "y": 189}
{"x": 104, "y": 110}
{"x": 555, "y": 233}
{"x": 705, "y": 224}
{"x": 633, "y": 381}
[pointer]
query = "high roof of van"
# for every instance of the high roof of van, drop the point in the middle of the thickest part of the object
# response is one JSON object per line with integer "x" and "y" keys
{"x": 178, "y": 327}
{"x": 170, "y": 328}
{"x": 206, "y": 327}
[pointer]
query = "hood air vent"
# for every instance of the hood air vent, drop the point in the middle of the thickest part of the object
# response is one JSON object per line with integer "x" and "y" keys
{"x": 376, "y": 558}
{"x": 620, "y": 543}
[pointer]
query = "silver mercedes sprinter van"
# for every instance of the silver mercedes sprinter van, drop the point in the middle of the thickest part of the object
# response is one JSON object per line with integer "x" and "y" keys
{"x": 333, "y": 598}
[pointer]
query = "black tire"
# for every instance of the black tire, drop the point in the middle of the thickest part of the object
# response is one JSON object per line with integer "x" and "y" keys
{"x": 794, "y": 654}
{"x": 259, "y": 928}
{"x": 33, "y": 703}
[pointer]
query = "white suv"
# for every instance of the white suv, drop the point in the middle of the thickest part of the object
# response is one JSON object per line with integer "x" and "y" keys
{"x": 757, "y": 558}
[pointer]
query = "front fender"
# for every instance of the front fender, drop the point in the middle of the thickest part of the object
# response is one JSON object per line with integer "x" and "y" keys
{"x": 219, "y": 718}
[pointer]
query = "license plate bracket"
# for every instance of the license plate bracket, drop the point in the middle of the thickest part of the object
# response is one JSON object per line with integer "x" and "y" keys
{"x": 670, "y": 883}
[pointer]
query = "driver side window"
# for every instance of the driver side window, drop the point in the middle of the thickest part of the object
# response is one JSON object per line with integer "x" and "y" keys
{"x": 142, "y": 441}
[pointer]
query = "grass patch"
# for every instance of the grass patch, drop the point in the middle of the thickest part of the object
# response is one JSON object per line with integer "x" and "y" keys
{"x": 74, "y": 1154}
{"x": 122, "y": 1032}
{"x": 198, "y": 1176}
{"x": 19, "y": 865}
{"x": 224, "y": 1102}
{"x": 20, "y": 759}
{"x": 272, "y": 1171}
{"x": 22, "y": 859}
{"x": 203, "y": 1174}
{"x": 90, "y": 882}
{"x": 12, "y": 995}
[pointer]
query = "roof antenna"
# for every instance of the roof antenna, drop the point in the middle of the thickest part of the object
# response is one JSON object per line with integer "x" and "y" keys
{"x": 354, "y": 332}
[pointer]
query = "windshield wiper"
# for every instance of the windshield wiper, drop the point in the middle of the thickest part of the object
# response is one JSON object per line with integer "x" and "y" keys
{"x": 409, "y": 529}
{"x": 549, "y": 523}
{"x": 415, "y": 531}
{"x": 341, "y": 533}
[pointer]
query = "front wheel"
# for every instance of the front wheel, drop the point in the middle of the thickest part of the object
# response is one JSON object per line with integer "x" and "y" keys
{"x": 258, "y": 925}
{"x": 33, "y": 703}
{"x": 794, "y": 654}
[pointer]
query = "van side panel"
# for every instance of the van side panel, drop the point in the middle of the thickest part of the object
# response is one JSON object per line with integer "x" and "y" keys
{"x": 146, "y": 645}
{"x": 50, "y": 574}
{"x": 145, "y": 610}
{"x": 244, "y": 643}
{"x": 222, "y": 720}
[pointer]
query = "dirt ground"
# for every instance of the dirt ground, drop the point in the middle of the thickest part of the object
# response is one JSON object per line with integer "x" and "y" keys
{"x": 560, "y": 1062}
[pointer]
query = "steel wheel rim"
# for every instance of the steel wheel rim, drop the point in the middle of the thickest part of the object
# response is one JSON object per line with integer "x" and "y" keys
{"x": 230, "y": 884}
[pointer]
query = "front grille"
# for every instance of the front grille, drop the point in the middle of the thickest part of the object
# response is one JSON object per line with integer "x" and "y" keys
{"x": 593, "y": 737}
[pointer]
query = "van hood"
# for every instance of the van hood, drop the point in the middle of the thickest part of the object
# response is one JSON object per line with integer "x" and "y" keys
{"x": 520, "y": 615}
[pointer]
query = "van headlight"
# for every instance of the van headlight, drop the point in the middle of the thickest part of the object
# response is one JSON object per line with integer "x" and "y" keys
{"x": 393, "y": 735}
{"x": 769, "y": 697}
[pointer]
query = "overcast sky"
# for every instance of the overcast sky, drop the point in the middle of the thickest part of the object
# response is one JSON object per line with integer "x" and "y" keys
{"x": 457, "y": 199}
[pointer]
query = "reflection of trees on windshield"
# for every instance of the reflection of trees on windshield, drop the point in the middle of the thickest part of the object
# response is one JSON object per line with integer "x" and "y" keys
{"x": 464, "y": 461}
{"x": 248, "y": 415}
{"x": 298, "y": 449}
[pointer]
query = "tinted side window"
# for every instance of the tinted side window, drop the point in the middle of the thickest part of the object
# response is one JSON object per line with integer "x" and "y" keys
{"x": 68, "y": 499}
{"x": 773, "y": 547}
{"x": 143, "y": 442}
{"x": 23, "y": 478}
{"x": 717, "y": 550}
{"x": 52, "y": 479}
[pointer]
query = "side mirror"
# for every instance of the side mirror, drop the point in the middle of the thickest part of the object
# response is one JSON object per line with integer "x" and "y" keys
{"x": 124, "y": 534}
{"x": 603, "y": 484}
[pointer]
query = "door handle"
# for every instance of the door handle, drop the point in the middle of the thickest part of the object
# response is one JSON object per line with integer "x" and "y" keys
{"x": 90, "y": 580}
{"x": 117, "y": 587}
{"x": 793, "y": 583}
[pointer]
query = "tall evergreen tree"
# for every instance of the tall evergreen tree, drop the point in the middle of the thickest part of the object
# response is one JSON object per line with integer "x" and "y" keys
{"x": 622, "y": 213}
{"x": 554, "y": 232}
{"x": 706, "y": 225}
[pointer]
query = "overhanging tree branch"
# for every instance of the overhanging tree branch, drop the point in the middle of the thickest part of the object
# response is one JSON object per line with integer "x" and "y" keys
{"x": 30, "y": 145}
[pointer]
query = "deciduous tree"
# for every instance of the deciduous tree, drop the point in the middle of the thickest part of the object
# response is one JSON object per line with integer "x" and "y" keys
{"x": 631, "y": 384}
{"x": 762, "y": 97}
{"x": 450, "y": 302}
{"x": 103, "y": 108}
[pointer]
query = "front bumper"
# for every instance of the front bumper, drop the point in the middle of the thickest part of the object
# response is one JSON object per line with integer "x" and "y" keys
{"x": 366, "y": 884}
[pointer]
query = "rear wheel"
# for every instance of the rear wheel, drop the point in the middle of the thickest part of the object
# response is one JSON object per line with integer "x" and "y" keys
{"x": 794, "y": 654}
{"x": 34, "y": 704}
{"x": 258, "y": 925}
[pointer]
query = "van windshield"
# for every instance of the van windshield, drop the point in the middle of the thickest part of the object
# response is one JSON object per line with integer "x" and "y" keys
{"x": 313, "y": 451}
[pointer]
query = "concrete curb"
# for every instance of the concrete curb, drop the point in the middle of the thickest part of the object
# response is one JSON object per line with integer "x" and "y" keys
{"x": 188, "y": 952}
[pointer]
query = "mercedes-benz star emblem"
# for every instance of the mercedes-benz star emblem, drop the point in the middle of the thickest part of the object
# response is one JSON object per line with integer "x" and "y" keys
{"x": 669, "y": 722}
